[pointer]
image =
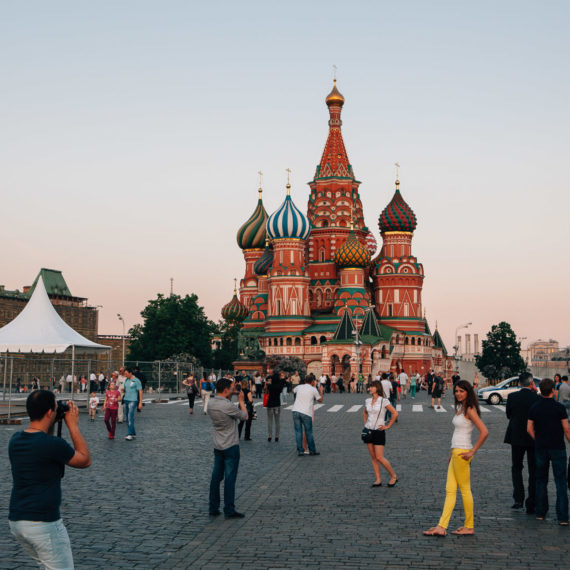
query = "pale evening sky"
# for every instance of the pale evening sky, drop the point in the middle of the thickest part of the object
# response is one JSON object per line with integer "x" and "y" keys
{"x": 132, "y": 133}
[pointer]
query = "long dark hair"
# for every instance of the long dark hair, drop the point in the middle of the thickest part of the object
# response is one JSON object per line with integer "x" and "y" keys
{"x": 471, "y": 400}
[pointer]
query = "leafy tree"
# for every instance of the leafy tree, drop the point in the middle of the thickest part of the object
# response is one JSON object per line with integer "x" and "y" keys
{"x": 501, "y": 354}
{"x": 172, "y": 325}
{"x": 289, "y": 365}
{"x": 228, "y": 351}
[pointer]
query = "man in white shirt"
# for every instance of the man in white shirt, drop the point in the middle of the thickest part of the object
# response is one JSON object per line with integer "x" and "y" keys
{"x": 386, "y": 386}
{"x": 403, "y": 378}
{"x": 305, "y": 396}
{"x": 323, "y": 381}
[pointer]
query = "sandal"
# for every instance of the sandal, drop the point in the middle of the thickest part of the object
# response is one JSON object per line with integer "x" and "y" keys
{"x": 463, "y": 531}
{"x": 434, "y": 532}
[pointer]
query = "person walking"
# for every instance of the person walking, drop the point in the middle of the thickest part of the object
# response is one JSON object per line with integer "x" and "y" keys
{"x": 258, "y": 382}
{"x": 413, "y": 385}
{"x": 467, "y": 416}
{"x": 517, "y": 436}
{"x": 437, "y": 391}
{"x": 305, "y": 396}
{"x": 133, "y": 401}
{"x": 547, "y": 425}
{"x": 564, "y": 393}
{"x": 374, "y": 417}
{"x": 206, "y": 389}
{"x": 191, "y": 390}
{"x": 404, "y": 380}
{"x": 38, "y": 460}
{"x": 225, "y": 416}
{"x": 248, "y": 399}
{"x": 274, "y": 386}
{"x": 111, "y": 407}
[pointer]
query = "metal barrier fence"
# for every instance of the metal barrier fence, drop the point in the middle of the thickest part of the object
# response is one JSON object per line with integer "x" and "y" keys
{"x": 161, "y": 376}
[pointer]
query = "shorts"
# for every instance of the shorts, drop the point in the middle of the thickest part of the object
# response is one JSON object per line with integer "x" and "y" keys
{"x": 436, "y": 393}
{"x": 378, "y": 437}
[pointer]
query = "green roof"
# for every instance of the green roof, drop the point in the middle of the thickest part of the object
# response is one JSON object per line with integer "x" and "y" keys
{"x": 345, "y": 329}
{"x": 320, "y": 328}
{"x": 438, "y": 342}
{"x": 54, "y": 283}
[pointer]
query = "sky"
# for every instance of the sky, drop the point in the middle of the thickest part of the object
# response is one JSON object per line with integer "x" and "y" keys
{"x": 131, "y": 134}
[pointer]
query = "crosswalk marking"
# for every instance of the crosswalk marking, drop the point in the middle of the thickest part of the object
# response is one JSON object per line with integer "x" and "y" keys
{"x": 353, "y": 409}
{"x": 317, "y": 406}
{"x": 500, "y": 408}
{"x": 417, "y": 408}
{"x": 484, "y": 409}
{"x": 336, "y": 408}
{"x": 440, "y": 409}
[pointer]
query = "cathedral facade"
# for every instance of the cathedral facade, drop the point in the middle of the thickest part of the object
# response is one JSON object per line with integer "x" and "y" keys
{"x": 313, "y": 287}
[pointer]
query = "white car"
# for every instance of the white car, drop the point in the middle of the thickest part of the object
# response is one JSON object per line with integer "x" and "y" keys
{"x": 499, "y": 393}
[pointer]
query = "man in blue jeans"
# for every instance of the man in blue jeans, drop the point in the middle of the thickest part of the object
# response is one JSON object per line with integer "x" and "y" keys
{"x": 305, "y": 397}
{"x": 547, "y": 425}
{"x": 225, "y": 417}
{"x": 132, "y": 400}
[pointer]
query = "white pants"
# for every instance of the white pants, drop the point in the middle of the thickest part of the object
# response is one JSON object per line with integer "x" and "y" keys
{"x": 206, "y": 399}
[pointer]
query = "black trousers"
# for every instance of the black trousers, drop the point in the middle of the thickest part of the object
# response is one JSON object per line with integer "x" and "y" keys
{"x": 518, "y": 453}
{"x": 191, "y": 398}
{"x": 247, "y": 426}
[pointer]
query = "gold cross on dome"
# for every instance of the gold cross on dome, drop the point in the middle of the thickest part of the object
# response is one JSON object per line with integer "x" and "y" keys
{"x": 235, "y": 286}
{"x": 397, "y": 165}
{"x": 334, "y": 72}
{"x": 260, "y": 178}
{"x": 288, "y": 171}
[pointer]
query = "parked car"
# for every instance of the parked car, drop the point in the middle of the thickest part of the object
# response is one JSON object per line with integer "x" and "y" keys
{"x": 499, "y": 393}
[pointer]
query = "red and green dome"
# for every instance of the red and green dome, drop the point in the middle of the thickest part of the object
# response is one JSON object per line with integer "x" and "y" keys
{"x": 352, "y": 253}
{"x": 397, "y": 216}
{"x": 252, "y": 234}
{"x": 235, "y": 311}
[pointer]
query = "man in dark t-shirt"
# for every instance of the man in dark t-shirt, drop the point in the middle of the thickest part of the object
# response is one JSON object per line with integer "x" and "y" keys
{"x": 38, "y": 460}
{"x": 547, "y": 425}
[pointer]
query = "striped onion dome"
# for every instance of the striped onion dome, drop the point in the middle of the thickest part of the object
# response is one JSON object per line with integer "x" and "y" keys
{"x": 288, "y": 221}
{"x": 352, "y": 253}
{"x": 235, "y": 311}
{"x": 252, "y": 234}
{"x": 371, "y": 243}
{"x": 397, "y": 216}
{"x": 263, "y": 264}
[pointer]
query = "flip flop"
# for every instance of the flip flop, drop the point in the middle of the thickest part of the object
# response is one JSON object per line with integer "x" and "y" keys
{"x": 433, "y": 532}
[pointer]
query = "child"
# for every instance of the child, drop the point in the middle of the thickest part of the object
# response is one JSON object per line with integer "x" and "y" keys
{"x": 111, "y": 407}
{"x": 93, "y": 403}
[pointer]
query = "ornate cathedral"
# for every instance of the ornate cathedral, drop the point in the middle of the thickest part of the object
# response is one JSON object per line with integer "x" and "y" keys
{"x": 313, "y": 289}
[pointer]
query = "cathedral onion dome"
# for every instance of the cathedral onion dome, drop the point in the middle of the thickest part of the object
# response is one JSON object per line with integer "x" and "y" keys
{"x": 352, "y": 253}
{"x": 335, "y": 97}
{"x": 235, "y": 311}
{"x": 263, "y": 264}
{"x": 397, "y": 216}
{"x": 288, "y": 222}
{"x": 252, "y": 234}
{"x": 371, "y": 243}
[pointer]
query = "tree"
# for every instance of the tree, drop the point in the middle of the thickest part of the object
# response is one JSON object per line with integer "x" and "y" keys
{"x": 228, "y": 351}
{"x": 501, "y": 354}
{"x": 172, "y": 325}
{"x": 289, "y": 365}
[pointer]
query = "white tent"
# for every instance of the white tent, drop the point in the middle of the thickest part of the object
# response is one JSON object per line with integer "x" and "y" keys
{"x": 38, "y": 328}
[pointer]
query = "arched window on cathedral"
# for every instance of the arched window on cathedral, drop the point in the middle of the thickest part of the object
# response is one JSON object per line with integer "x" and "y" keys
{"x": 319, "y": 298}
{"x": 322, "y": 340}
{"x": 289, "y": 341}
{"x": 324, "y": 224}
{"x": 281, "y": 341}
{"x": 313, "y": 340}
{"x": 275, "y": 342}
{"x": 322, "y": 254}
{"x": 383, "y": 352}
{"x": 328, "y": 295}
{"x": 297, "y": 341}
{"x": 414, "y": 341}
{"x": 407, "y": 340}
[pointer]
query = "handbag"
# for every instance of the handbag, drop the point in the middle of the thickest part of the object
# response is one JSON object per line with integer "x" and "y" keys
{"x": 367, "y": 434}
{"x": 265, "y": 399}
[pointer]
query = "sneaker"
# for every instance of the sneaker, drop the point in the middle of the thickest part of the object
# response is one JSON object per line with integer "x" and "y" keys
{"x": 129, "y": 438}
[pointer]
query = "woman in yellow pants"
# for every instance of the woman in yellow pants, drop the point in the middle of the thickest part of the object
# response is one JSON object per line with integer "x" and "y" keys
{"x": 467, "y": 415}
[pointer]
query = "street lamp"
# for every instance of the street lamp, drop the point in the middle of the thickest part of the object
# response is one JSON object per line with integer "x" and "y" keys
{"x": 456, "y": 347}
{"x": 122, "y": 321}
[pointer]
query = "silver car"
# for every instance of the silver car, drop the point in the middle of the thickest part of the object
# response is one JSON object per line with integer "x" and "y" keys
{"x": 499, "y": 393}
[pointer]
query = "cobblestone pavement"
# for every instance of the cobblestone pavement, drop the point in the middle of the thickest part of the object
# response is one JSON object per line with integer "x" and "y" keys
{"x": 143, "y": 504}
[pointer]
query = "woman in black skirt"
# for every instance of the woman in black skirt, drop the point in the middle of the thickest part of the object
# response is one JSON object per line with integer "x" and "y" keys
{"x": 374, "y": 416}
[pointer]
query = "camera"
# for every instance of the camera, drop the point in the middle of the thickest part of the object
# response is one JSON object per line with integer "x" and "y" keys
{"x": 61, "y": 410}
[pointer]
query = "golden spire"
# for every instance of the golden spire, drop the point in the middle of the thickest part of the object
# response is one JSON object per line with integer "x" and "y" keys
{"x": 235, "y": 286}
{"x": 397, "y": 165}
{"x": 288, "y": 171}
{"x": 260, "y": 189}
{"x": 334, "y": 97}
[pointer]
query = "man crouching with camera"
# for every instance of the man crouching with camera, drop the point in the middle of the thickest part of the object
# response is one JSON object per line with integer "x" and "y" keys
{"x": 38, "y": 459}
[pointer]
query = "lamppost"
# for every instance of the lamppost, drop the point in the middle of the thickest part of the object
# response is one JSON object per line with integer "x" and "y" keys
{"x": 456, "y": 347}
{"x": 122, "y": 321}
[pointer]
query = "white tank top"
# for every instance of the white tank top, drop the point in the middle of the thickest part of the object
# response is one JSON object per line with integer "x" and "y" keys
{"x": 462, "y": 433}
